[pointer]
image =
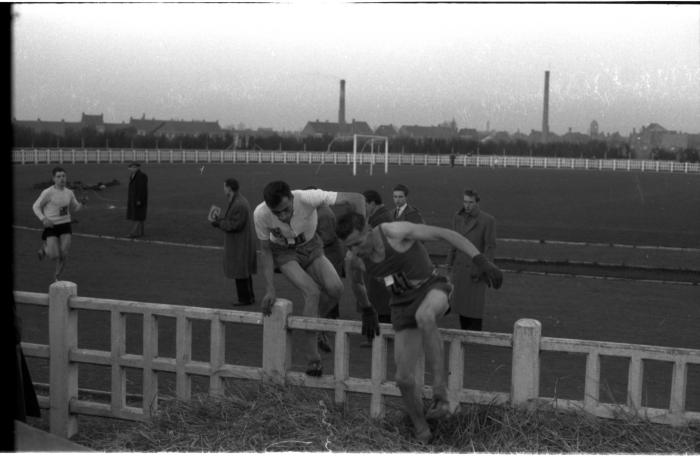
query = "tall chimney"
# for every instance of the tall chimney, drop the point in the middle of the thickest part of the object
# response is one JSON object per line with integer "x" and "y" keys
{"x": 341, "y": 109}
{"x": 545, "y": 111}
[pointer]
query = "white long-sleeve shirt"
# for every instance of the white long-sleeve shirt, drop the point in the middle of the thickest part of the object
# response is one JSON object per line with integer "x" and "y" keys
{"x": 55, "y": 204}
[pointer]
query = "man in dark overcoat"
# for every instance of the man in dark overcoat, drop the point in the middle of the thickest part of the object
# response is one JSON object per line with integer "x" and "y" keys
{"x": 240, "y": 261}
{"x": 469, "y": 296}
{"x": 137, "y": 201}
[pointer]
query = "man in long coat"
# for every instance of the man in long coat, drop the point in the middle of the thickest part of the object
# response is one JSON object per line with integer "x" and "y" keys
{"x": 239, "y": 243}
{"x": 137, "y": 201}
{"x": 469, "y": 295}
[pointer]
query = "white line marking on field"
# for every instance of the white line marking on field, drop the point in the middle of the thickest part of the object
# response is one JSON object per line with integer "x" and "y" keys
{"x": 214, "y": 247}
{"x": 126, "y": 239}
{"x": 600, "y": 244}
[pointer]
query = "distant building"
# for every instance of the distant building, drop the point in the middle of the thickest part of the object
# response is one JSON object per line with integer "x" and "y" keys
{"x": 386, "y": 130}
{"x": 319, "y": 129}
{"x": 653, "y": 137}
{"x": 593, "y": 131}
{"x": 468, "y": 134}
{"x": 434, "y": 132}
{"x": 576, "y": 137}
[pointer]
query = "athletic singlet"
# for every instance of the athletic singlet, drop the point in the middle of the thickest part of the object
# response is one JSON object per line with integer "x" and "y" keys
{"x": 397, "y": 268}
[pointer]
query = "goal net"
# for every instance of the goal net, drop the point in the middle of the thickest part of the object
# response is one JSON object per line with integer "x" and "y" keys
{"x": 369, "y": 148}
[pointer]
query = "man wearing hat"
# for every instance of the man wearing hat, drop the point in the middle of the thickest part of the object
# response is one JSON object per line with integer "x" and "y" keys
{"x": 137, "y": 201}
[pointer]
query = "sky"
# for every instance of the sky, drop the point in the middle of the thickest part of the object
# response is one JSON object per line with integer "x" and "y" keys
{"x": 279, "y": 65}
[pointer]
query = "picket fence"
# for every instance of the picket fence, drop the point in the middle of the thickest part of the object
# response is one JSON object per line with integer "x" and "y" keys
{"x": 526, "y": 344}
{"x": 179, "y": 156}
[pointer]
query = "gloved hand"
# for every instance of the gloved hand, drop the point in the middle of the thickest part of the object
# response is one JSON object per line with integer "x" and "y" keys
{"x": 491, "y": 274}
{"x": 370, "y": 322}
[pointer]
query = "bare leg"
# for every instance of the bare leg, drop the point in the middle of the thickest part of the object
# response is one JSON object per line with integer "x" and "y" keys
{"x": 325, "y": 275}
{"x": 65, "y": 241}
{"x": 311, "y": 293}
{"x": 430, "y": 310}
{"x": 408, "y": 347}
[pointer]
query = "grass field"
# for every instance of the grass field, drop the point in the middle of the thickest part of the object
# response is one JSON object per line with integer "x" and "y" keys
{"x": 618, "y": 207}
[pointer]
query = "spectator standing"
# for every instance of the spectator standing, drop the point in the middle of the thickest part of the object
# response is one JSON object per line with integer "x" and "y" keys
{"x": 137, "y": 200}
{"x": 470, "y": 289}
{"x": 239, "y": 242}
{"x": 403, "y": 210}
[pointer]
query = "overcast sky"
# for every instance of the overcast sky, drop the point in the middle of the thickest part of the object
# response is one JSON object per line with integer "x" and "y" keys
{"x": 279, "y": 65}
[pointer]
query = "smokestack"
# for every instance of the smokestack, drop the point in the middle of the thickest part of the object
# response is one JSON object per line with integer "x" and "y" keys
{"x": 341, "y": 110}
{"x": 545, "y": 111}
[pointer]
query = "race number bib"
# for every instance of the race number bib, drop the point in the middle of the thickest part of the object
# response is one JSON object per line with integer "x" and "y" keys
{"x": 398, "y": 283}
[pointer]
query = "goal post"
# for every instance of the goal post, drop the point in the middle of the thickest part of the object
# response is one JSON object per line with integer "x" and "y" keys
{"x": 371, "y": 140}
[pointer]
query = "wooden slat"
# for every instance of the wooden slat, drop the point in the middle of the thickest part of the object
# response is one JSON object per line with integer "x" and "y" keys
{"x": 31, "y": 298}
{"x": 455, "y": 379}
{"x": 117, "y": 348}
{"x": 183, "y": 349}
{"x": 150, "y": 351}
{"x": 35, "y": 350}
{"x": 378, "y": 376}
{"x": 679, "y": 382}
{"x": 217, "y": 352}
{"x": 341, "y": 366}
{"x": 591, "y": 392}
{"x": 634, "y": 383}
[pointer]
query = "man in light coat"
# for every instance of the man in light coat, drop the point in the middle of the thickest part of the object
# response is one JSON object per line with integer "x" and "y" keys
{"x": 239, "y": 242}
{"x": 479, "y": 227}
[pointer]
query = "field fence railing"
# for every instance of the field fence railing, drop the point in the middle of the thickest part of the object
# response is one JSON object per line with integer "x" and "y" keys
{"x": 198, "y": 156}
{"x": 526, "y": 343}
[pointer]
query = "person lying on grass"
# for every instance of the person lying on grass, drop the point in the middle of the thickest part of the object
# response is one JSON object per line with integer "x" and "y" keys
{"x": 393, "y": 252}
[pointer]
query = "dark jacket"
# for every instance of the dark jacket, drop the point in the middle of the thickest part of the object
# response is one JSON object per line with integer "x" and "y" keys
{"x": 239, "y": 241}
{"x": 410, "y": 213}
{"x": 380, "y": 215}
{"x": 137, "y": 201}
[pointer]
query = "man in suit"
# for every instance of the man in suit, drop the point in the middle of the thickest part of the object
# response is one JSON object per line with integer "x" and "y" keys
{"x": 404, "y": 211}
{"x": 479, "y": 227}
{"x": 239, "y": 242}
{"x": 137, "y": 200}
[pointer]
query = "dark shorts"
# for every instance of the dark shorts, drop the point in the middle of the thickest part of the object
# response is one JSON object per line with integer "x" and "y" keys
{"x": 404, "y": 306}
{"x": 56, "y": 231}
{"x": 304, "y": 254}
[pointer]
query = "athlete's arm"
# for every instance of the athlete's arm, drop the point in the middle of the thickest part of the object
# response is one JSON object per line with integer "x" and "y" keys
{"x": 38, "y": 208}
{"x": 403, "y": 231}
{"x": 268, "y": 270}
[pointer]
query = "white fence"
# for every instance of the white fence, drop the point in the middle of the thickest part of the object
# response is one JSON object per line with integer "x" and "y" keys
{"x": 108, "y": 156}
{"x": 526, "y": 343}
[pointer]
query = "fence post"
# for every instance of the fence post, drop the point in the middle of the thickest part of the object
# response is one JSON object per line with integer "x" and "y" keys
{"x": 277, "y": 342}
{"x": 63, "y": 376}
{"x": 525, "y": 375}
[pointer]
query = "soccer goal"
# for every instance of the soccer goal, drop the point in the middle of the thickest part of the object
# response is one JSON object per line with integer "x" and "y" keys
{"x": 371, "y": 141}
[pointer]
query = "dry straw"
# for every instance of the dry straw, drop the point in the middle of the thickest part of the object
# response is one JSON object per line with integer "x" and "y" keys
{"x": 252, "y": 417}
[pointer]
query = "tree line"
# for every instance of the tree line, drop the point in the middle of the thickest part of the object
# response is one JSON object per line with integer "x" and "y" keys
{"x": 25, "y": 137}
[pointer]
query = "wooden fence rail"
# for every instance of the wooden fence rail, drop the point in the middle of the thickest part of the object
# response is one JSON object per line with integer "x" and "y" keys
{"x": 85, "y": 156}
{"x": 526, "y": 343}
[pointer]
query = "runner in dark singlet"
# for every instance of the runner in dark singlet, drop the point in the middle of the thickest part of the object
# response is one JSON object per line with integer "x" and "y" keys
{"x": 419, "y": 297}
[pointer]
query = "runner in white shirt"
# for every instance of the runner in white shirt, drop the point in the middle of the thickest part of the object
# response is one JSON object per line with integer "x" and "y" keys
{"x": 53, "y": 209}
{"x": 285, "y": 224}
